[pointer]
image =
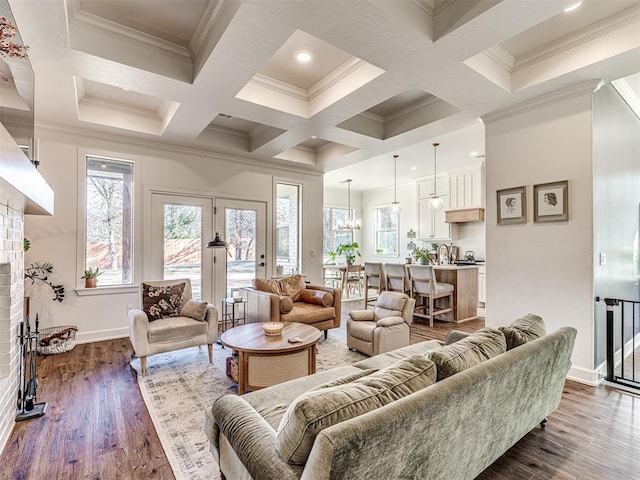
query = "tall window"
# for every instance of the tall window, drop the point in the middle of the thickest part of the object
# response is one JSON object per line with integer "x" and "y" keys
{"x": 332, "y": 237}
{"x": 109, "y": 225}
{"x": 288, "y": 227}
{"x": 386, "y": 231}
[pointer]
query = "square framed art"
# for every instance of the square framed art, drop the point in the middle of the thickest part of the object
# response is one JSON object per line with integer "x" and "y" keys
{"x": 551, "y": 202}
{"x": 512, "y": 205}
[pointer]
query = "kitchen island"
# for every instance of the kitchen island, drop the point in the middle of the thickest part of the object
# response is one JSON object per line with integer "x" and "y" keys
{"x": 464, "y": 279}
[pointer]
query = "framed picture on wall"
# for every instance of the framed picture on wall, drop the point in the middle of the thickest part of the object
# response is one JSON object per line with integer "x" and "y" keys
{"x": 512, "y": 205}
{"x": 551, "y": 202}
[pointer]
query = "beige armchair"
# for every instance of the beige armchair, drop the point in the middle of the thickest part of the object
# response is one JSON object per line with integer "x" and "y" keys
{"x": 291, "y": 300}
{"x": 191, "y": 324}
{"x": 384, "y": 329}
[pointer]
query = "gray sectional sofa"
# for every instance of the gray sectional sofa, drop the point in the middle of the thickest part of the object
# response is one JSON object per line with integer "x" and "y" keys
{"x": 398, "y": 421}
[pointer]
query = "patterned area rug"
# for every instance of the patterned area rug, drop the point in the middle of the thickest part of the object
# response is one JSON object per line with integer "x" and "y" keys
{"x": 180, "y": 385}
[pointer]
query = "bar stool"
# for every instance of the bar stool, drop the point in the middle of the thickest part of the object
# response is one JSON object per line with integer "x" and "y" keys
{"x": 397, "y": 277}
{"x": 373, "y": 278}
{"x": 424, "y": 287}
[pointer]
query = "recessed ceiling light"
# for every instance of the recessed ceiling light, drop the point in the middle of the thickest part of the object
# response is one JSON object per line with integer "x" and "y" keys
{"x": 572, "y": 7}
{"x": 473, "y": 154}
{"x": 304, "y": 56}
{"x": 313, "y": 136}
{"x": 414, "y": 168}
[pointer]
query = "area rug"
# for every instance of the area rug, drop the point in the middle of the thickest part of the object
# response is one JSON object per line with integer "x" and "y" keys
{"x": 180, "y": 385}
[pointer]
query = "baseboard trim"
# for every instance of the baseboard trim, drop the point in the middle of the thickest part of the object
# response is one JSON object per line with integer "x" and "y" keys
{"x": 100, "y": 335}
{"x": 586, "y": 376}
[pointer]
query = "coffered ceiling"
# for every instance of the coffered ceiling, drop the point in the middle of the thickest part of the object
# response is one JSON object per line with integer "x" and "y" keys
{"x": 386, "y": 75}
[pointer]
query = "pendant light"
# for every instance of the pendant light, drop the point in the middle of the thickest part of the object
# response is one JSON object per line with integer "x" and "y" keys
{"x": 435, "y": 202}
{"x": 350, "y": 224}
{"x": 395, "y": 206}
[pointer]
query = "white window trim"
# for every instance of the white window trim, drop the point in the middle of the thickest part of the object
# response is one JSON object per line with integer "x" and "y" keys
{"x": 395, "y": 254}
{"x": 82, "y": 226}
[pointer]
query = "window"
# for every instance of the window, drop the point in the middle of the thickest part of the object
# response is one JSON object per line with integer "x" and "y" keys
{"x": 109, "y": 224}
{"x": 332, "y": 237}
{"x": 288, "y": 227}
{"x": 386, "y": 231}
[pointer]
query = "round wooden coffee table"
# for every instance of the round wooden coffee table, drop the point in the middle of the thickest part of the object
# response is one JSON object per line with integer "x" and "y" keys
{"x": 265, "y": 360}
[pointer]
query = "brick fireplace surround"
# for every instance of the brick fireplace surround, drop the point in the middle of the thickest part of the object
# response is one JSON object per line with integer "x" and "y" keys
{"x": 11, "y": 304}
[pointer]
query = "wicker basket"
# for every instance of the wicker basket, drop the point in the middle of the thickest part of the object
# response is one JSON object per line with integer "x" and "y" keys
{"x": 56, "y": 339}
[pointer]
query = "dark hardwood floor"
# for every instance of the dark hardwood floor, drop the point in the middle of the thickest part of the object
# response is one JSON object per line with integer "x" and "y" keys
{"x": 97, "y": 425}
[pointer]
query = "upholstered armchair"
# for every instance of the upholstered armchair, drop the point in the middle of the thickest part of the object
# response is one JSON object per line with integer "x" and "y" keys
{"x": 168, "y": 319}
{"x": 291, "y": 300}
{"x": 383, "y": 329}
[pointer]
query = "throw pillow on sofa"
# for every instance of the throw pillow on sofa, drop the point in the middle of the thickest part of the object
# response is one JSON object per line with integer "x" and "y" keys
{"x": 317, "y": 297}
{"x": 162, "y": 301}
{"x": 315, "y": 410}
{"x": 523, "y": 330}
{"x": 481, "y": 345}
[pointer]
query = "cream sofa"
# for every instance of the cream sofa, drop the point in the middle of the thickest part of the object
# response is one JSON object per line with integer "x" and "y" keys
{"x": 452, "y": 429}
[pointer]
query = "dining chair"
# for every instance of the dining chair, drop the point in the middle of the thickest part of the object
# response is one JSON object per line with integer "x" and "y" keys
{"x": 353, "y": 279}
{"x": 373, "y": 279}
{"x": 397, "y": 277}
{"x": 425, "y": 289}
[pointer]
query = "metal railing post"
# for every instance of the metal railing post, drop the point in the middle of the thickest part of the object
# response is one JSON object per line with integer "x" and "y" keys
{"x": 610, "y": 302}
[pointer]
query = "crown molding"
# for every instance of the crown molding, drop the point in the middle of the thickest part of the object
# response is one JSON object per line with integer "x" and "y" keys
{"x": 424, "y": 5}
{"x": 277, "y": 86}
{"x": 217, "y": 129}
{"x": 409, "y": 109}
{"x": 206, "y": 24}
{"x": 125, "y": 34}
{"x": 439, "y": 6}
{"x": 119, "y": 107}
{"x": 580, "y": 37}
{"x": 501, "y": 57}
{"x": 582, "y": 88}
{"x": 339, "y": 73}
{"x": 155, "y": 145}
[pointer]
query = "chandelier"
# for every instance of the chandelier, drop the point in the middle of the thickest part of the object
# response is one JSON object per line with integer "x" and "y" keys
{"x": 350, "y": 223}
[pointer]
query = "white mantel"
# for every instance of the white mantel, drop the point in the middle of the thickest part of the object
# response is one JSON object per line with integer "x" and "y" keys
{"x": 21, "y": 185}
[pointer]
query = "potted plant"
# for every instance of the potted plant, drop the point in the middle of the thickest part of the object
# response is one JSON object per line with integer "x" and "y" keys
{"x": 422, "y": 255}
{"x": 91, "y": 277}
{"x": 349, "y": 250}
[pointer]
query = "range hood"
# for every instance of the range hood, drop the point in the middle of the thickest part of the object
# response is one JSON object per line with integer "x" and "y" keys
{"x": 463, "y": 215}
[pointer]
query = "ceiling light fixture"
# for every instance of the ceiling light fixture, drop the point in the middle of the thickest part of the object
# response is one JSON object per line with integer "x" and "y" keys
{"x": 395, "y": 206}
{"x": 304, "y": 56}
{"x": 350, "y": 224}
{"x": 435, "y": 202}
{"x": 572, "y": 7}
{"x": 473, "y": 154}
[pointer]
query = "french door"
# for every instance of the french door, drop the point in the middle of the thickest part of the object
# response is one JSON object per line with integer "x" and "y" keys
{"x": 242, "y": 224}
{"x": 181, "y": 227}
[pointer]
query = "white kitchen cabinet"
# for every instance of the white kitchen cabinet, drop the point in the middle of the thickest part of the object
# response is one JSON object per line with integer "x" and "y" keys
{"x": 425, "y": 187}
{"x": 482, "y": 284}
{"x": 432, "y": 225}
{"x": 466, "y": 188}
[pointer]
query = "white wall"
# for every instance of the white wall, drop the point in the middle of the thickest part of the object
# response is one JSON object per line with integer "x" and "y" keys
{"x": 54, "y": 238}
{"x": 616, "y": 132}
{"x": 543, "y": 268}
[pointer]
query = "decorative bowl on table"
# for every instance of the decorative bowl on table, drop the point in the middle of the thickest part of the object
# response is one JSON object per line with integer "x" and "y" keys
{"x": 272, "y": 328}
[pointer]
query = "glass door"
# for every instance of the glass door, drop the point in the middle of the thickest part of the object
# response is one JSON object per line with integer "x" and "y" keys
{"x": 181, "y": 227}
{"x": 242, "y": 225}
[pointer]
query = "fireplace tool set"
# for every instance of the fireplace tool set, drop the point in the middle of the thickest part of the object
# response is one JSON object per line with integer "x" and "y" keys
{"x": 27, "y": 374}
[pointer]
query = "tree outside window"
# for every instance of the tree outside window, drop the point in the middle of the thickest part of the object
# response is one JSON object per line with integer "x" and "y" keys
{"x": 109, "y": 212}
{"x": 386, "y": 231}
